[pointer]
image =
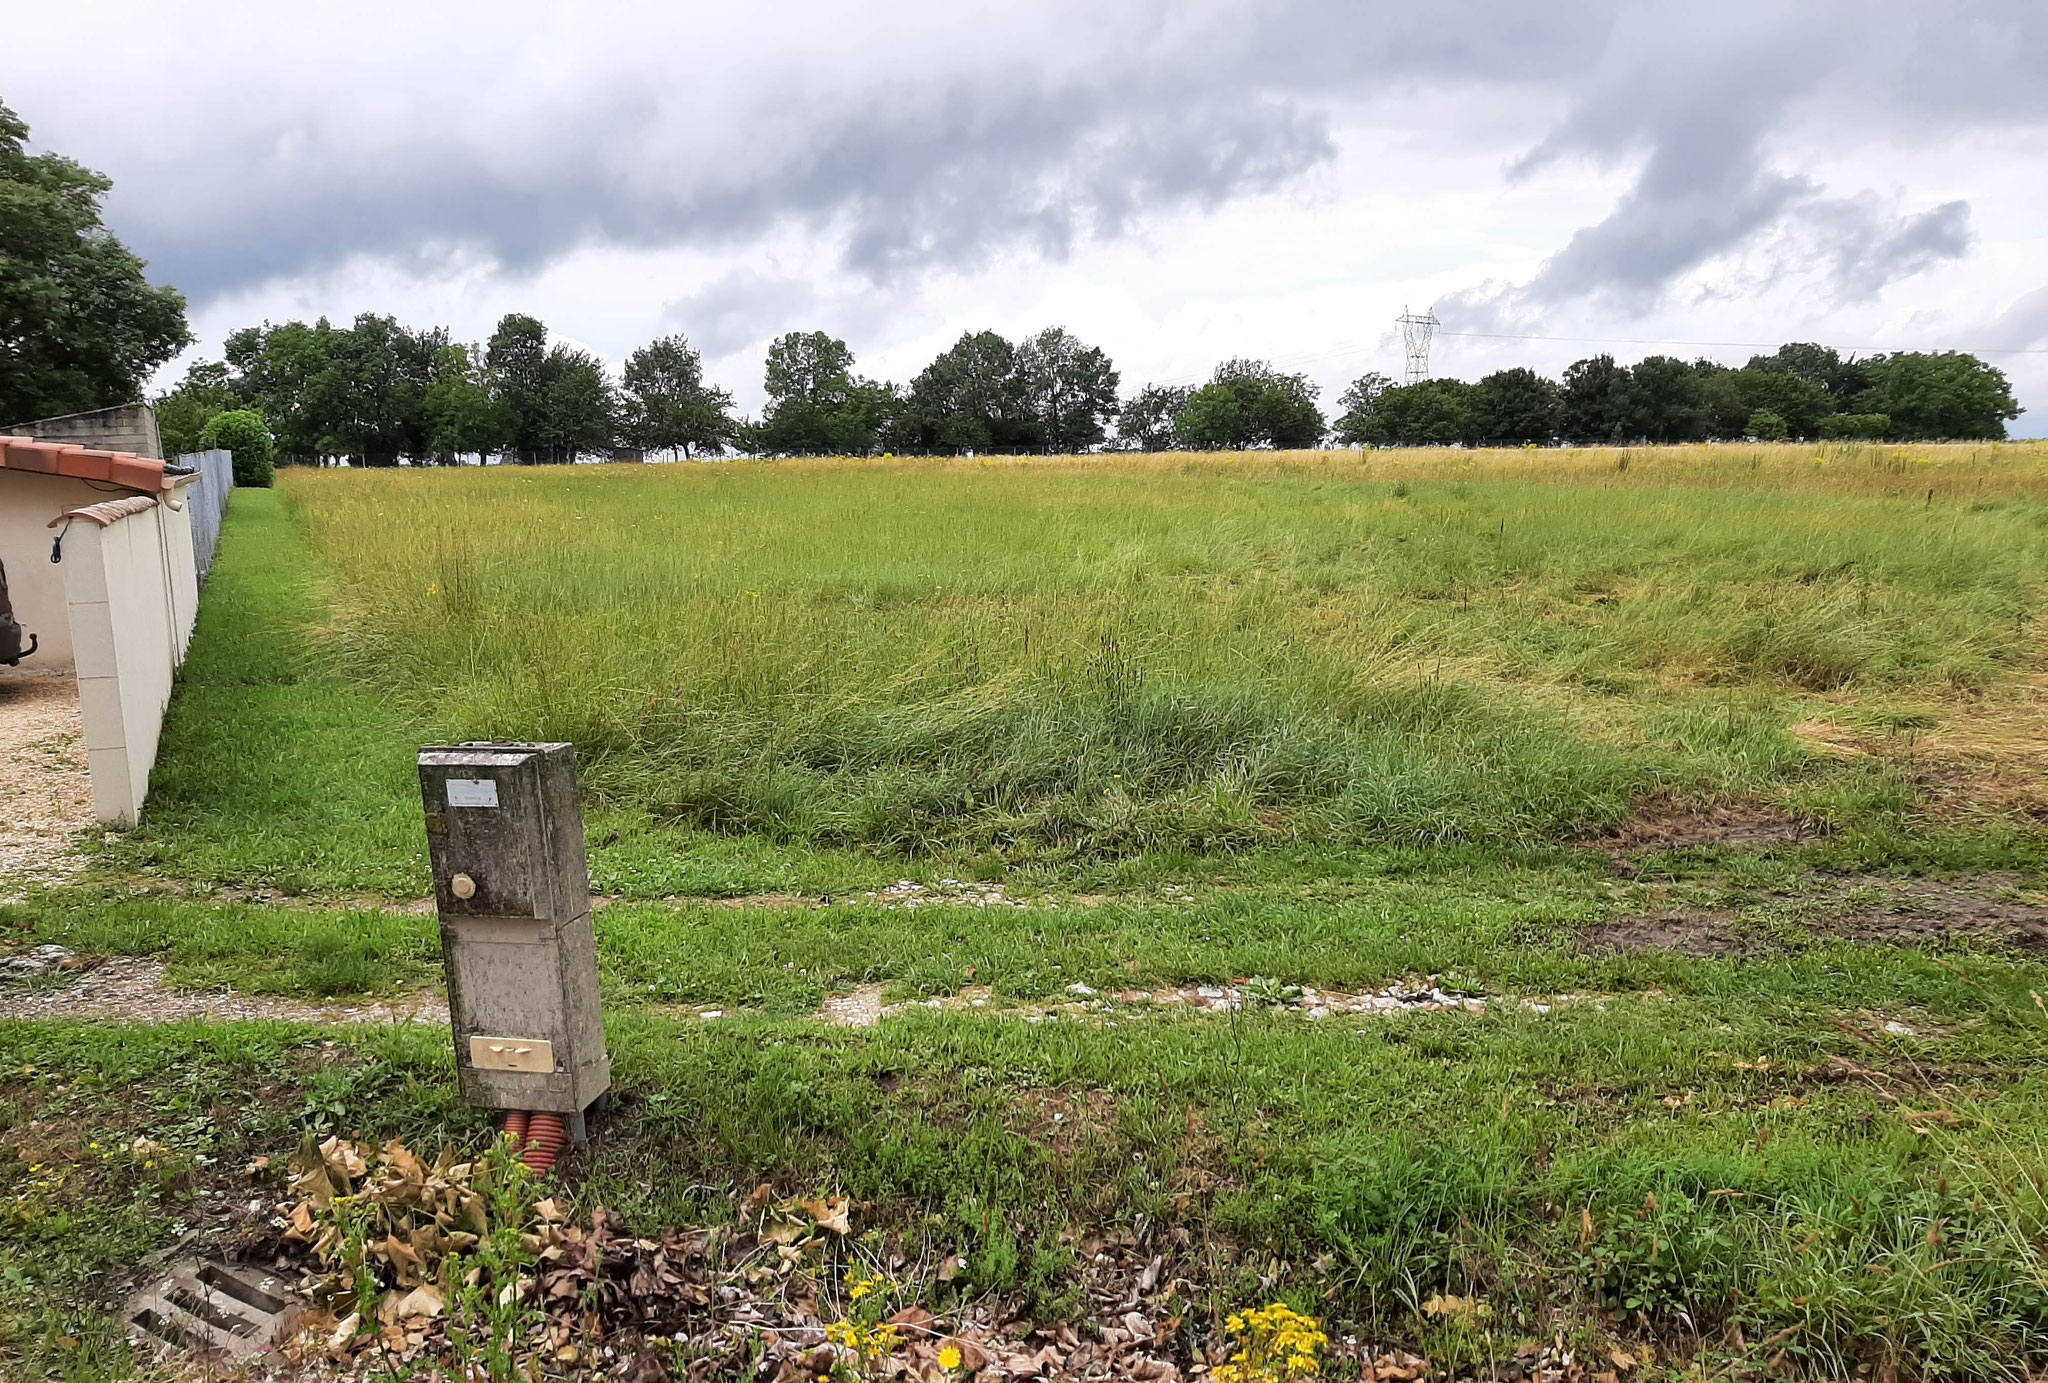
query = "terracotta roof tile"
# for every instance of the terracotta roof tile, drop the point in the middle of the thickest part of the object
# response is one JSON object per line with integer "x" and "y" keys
{"x": 108, "y": 511}
{"x": 122, "y": 468}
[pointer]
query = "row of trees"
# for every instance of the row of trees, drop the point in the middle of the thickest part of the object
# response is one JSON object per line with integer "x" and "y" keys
{"x": 1803, "y": 391}
{"x": 377, "y": 392}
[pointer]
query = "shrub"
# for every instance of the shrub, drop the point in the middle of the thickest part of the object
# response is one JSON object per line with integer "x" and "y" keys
{"x": 243, "y": 432}
{"x": 1766, "y": 426}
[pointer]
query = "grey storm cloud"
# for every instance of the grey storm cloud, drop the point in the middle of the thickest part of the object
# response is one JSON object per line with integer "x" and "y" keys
{"x": 1871, "y": 250}
{"x": 942, "y": 158}
{"x": 914, "y": 181}
{"x": 913, "y": 167}
{"x": 1701, "y": 96}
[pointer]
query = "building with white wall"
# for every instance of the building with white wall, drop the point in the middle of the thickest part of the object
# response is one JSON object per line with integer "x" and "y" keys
{"x": 114, "y": 611}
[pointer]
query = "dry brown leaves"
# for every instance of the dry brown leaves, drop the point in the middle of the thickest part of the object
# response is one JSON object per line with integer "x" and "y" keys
{"x": 749, "y": 1300}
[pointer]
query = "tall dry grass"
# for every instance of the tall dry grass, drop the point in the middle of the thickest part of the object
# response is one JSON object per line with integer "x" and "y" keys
{"x": 1103, "y": 653}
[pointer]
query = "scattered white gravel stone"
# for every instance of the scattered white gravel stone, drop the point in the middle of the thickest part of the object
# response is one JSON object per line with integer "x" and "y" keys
{"x": 131, "y": 990}
{"x": 39, "y": 961}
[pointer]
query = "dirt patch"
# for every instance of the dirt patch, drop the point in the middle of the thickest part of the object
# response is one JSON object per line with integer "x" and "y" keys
{"x": 45, "y": 788}
{"x": 130, "y": 990}
{"x": 1660, "y": 823}
{"x": 1933, "y": 911}
{"x": 407, "y": 907}
{"x": 1065, "y": 1120}
{"x": 1692, "y": 931}
{"x": 1981, "y": 910}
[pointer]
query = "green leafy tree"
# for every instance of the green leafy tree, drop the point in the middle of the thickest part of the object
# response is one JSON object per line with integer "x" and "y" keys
{"x": 1430, "y": 412}
{"x": 1069, "y": 390}
{"x": 1944, "y": 396}
{"x": 1594, "y": 403}
{"x": 1215, "y": 418}
{"x": 580, "y": 411}
{"x": 883, "y": 408}
{"x": 816, "y": 406}
{"x": 1723, "y": 414}
{"x": 1358, "y": 423}
{"x": 973, "y": 398}
{"x": 1665, "y": 402}
{"x": 80, "y": 326}
{"x": 463, "y": 418}
{"x": 667, "y": 406}
{"x": 1248, "y": 404}
{"x": 1150, "y": 419}
{"x": 183, "y": 412}
{"x": 1800, "y": 403}
{"x": 1517, "y": 405}
{"x": 1820, "y": 366}
{"x": 243, "y": 432}
{"x": 280, "y": 371}
{"x": 372, "y": 397}
{"x": 516, "y": 365}
{"x": 809, "y": 367}
{"x": 1766, "y": 426}
{"x": 558, "y": 400}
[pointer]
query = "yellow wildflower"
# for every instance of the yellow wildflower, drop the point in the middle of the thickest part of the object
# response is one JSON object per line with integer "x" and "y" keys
{"x": 949, "y": 1357}
{"x": 1280, "y": 1344}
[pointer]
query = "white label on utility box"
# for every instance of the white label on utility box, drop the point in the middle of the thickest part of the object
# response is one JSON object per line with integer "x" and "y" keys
{"x": 511, "y": 1054}
{"x": 472, "y": 792}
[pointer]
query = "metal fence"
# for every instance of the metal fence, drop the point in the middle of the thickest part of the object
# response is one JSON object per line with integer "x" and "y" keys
{"x": 208, "y": 500}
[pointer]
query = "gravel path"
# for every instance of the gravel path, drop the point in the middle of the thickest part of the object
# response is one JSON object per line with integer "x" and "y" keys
{"x": 45, "y": 790}
{"x": 131, "y": 990}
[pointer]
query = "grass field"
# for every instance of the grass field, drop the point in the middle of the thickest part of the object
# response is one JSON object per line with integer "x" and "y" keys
{"x": 1715, "y": 772}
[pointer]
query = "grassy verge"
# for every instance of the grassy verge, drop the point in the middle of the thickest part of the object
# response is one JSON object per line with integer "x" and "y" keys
{"x": 1500, "y": 931}
{"x": 1647, "y": 1168}
{"x": 276, "y": 769}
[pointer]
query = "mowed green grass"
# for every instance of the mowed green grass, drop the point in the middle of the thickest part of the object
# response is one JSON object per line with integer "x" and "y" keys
{"x": 1356, "y": 711}
{"x": 1057, "y": 663}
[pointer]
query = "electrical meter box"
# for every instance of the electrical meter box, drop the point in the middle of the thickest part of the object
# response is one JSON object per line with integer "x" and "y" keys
{"x": 512, "y": 886}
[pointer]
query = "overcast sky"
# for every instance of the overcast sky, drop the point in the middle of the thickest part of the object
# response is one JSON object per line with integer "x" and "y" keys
{"x": 1176, "y": 182}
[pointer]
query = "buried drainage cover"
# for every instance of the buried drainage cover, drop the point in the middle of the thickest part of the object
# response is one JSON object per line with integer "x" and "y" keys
{"x": 214, "y": 1309}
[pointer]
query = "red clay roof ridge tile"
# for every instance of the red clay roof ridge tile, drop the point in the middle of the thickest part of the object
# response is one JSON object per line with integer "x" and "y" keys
{"x": 123, "y": 468}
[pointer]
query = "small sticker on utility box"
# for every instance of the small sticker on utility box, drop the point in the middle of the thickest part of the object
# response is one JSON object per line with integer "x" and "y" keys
{"x": 472, "y": 792}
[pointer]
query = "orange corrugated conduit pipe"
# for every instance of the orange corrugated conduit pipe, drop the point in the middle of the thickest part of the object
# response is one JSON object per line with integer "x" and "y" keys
{"x": 538, "y": 1137}
{"x": 546, "y": 1135}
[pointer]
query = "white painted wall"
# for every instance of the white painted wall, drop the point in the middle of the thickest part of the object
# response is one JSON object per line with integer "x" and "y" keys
{"x": 132, "y": 593}
{"x": 28, "y": 501}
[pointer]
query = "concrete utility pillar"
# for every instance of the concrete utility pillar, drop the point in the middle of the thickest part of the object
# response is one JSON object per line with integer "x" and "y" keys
{"x": 512, "y": 885}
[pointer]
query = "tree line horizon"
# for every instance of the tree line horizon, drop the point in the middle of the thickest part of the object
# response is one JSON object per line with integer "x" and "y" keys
{"x": 378, "y": 393}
